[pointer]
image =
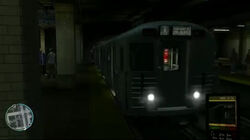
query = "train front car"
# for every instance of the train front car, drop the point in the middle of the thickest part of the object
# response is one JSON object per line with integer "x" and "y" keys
{"x": 161, "y": 68}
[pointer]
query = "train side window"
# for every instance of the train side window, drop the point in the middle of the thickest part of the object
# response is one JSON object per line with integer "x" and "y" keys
{"x": 170, "y": 59}
{"x": 121, "y": 59}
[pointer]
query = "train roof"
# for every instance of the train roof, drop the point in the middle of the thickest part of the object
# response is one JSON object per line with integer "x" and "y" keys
{"x": 156, "y": 24}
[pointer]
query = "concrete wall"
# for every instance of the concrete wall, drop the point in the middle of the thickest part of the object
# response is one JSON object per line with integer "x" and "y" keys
{"x": 19, "y": 73}
{"x": 231, "y": 41}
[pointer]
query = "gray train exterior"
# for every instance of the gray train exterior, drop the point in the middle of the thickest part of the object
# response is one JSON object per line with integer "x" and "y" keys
{"x": 153, "y": 73}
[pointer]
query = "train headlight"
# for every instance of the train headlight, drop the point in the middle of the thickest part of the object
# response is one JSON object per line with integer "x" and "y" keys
{"x": 151, "y": 97}
{"x": 196, "y": 95}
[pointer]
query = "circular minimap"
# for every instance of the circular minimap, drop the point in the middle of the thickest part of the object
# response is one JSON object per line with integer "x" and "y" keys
{"x": 19, "y": 117}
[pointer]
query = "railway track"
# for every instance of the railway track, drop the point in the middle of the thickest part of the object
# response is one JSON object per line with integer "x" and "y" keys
{"x": 137, "y": 134}
{"x": 244, "y": 122}
{"x": 244, "y": 128}
{"x": 162, "y": 129}
{"x": 189, "y": 131}
{"x": 193, "y": 133}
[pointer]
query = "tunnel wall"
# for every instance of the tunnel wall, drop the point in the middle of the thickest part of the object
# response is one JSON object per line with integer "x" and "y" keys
{"x": 232, "y": 41}
{"x": 19, "y": 73}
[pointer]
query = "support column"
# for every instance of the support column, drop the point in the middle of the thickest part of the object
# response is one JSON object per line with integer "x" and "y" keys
{"x": 241, "y": 45}
{"x": 42, "y": 40}
{"x": 65, "y": 45}
{"x": 19, "y": 64}
{"x": 79, "y": 44}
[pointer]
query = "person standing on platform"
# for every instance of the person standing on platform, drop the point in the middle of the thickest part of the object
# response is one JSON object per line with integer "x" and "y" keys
{"x": 51, "y": 57}
{"x": 247, "y": 61}
{"x": 234, "y": 61}
{"x": 43, "y": 62}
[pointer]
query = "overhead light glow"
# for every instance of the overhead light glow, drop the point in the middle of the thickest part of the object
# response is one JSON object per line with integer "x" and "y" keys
{"x": 221, "y": 30}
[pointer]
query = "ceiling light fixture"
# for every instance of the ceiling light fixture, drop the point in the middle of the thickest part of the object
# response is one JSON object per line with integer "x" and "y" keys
{"x": 221, "y": 30}
{"x": 241, "y": 25}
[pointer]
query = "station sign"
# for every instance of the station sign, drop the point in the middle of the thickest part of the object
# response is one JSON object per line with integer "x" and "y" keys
{"x": 182, "y": 31}
{"x": 222, "y": 117}
{"x": 179, "y": 30}
{"x": 164, "y": 30}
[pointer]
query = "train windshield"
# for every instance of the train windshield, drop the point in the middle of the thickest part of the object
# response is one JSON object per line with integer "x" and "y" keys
{"x": 170, "y": 59}
{"x": 141, "y": 57}
{"x": 172, "y": 56}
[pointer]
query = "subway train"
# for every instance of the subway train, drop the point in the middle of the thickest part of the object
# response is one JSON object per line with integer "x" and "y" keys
{"x": 159, "y": 68}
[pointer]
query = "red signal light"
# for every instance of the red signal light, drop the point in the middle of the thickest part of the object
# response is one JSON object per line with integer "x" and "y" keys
{"x": 165, "y": 56}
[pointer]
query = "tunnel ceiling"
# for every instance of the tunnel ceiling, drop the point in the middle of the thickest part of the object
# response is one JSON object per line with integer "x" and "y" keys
{"x": 137, "y": 11}
{"x": 121, "y": 15}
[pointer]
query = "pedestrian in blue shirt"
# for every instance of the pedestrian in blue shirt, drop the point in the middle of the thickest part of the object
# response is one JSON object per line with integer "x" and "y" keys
{"x": 43, "y": 62}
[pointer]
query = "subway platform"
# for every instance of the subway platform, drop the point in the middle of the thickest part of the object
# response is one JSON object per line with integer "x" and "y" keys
{"x": 240, "y": 76}
{"x": 237, "y": 78}
{"x": 87, "y": 111}
{"x": 237, "y": 83}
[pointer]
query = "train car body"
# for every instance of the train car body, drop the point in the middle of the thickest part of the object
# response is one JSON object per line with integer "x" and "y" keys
{"x": 159, "y": 68}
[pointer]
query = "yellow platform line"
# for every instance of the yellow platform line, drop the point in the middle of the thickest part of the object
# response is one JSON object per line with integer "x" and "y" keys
{"x": 222, "y": 100}
{"x": 223, "y": 125}
{"x": 235, "y": 80}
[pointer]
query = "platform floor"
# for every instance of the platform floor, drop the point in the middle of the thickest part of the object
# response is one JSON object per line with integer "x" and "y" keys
{"x": 86, "y": 112}
{"x": 236, "y": 78}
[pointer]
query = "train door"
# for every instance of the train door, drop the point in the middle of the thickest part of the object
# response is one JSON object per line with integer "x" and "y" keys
{"x": 115, "y": 68}
{"x": 109, "y": 65}
{"x": 99, "y": 57}
{"x": 112, "y": 65}
{"x": 142, "y": 78}
{"x": 118, "y": 73}
{"x": 120, "y": 79}
{"x": 172, "y": 72}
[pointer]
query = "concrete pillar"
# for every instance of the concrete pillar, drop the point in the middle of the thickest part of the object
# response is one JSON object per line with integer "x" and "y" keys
{"x": 241, "y": 45}
{"x": 79, "y": 44}
{"x": 65, "y": 44}
{"x": 247, "y": 46}
{"x": 19, "y": 63}
{"x": 42, "y": 40}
